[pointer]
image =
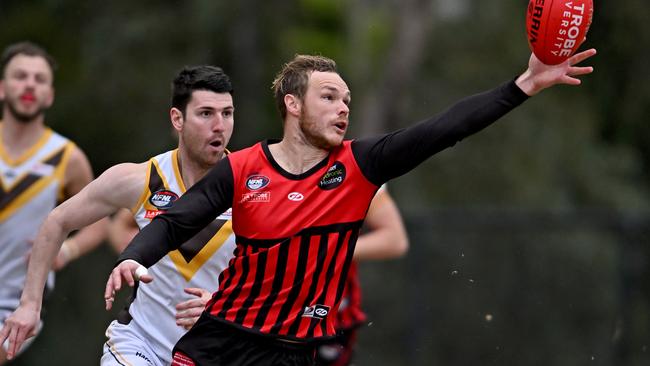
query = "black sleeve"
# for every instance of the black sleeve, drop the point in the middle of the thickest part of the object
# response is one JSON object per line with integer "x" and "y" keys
{"x": 385, "y": 157}
{"x": 194, "y": 210}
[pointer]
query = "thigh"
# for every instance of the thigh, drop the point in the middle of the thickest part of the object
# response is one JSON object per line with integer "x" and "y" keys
{"x": 125, "y": 347}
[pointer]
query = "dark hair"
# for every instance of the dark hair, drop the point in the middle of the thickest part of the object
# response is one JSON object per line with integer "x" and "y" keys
{"x": 191, "y": 78}
{"x": 24, "y": 48}
{"x": 294, "y": 77}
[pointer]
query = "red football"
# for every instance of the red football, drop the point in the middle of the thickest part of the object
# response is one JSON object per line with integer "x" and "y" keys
{"x": 556, "y": 28}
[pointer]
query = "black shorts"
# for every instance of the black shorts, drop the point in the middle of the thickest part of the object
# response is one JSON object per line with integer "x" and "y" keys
{"x": 211, "y": 342}
{"x": 338, "y": 351}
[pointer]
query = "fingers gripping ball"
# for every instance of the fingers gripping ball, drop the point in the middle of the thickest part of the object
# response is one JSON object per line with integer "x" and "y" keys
{"x": 556, "y": 28}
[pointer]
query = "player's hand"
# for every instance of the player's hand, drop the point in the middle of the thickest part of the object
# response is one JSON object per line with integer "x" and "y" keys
{"x": 19, "y": 326}
{"x": 129, "y": 271}
{"x": 540, "y": 76}
{"x": 188, "y": 312}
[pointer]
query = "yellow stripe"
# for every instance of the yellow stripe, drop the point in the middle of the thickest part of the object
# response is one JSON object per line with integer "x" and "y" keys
{"x": 187, "y": 270}
{"x": 62, "y": 168}
{"x": 23, "y": 175}
{"x": 27, "y": 154}
{"x": 145, "y": 191}
{"x": 177, "y": 171}
{"x": 29, "y": 193}
{"x": 112, "y": 347}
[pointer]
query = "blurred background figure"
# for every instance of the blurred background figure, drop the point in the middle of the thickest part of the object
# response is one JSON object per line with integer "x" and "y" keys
{"x": 38, "y": 168}
{"x": 202, "y": 112}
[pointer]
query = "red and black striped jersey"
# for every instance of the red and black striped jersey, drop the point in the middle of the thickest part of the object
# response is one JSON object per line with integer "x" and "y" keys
{"x": 350, "y": 314}
{"x": 296, "y": 233}
{"x": 288, "y": 273}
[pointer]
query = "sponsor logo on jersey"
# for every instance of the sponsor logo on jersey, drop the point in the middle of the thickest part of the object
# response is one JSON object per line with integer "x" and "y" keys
{"x": 295, "y": 196}
{"x": 163, "y": 199}
{"x": 255, "y": 182}
{"x": 334, "y": 176}
{"x": 150, "y": 214}
{"x": 316, "y": 311}
{"x": 42, "y": 169}
{"x": 256, "y": 197}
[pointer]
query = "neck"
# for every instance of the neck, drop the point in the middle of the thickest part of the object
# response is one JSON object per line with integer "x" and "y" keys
{"x": 18, "y": 136}
{"x": 296, "y": 155}
{"x": 190, "y": 170}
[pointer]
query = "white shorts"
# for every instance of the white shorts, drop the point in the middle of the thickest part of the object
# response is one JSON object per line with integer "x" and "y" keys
{"x": 126, "y": 347}
{"x": 4, "y": 314}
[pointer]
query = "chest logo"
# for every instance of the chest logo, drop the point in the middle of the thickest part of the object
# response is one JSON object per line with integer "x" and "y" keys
{"x": 334, "y": 176}
{"x": 163, "y": 199}
{"x": 295, "y": 196}
{"x": 255, "y": 182}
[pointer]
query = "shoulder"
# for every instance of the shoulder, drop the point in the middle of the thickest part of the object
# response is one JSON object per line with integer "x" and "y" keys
{"x": 126, "y": 174}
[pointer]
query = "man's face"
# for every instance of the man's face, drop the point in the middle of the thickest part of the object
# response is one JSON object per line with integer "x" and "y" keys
{"x": 26, "y": 88}
{"x": 207, "y": 126}
{"x": 325, "y": 110}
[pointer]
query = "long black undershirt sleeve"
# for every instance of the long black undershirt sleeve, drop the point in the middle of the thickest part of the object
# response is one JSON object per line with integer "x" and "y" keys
{"x": 385, "y": 157}
{"x": 194, "y": 210}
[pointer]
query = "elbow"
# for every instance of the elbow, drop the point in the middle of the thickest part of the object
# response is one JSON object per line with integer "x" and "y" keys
{"x": 401, "y": 246}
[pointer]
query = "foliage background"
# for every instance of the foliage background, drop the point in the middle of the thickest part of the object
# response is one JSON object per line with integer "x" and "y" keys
{"x": 540, "y": 222}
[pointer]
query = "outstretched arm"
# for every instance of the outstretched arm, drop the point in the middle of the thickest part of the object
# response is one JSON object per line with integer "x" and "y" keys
{"x": 119, "y": 186}
{"x": 386, "y": 236}
{"x": 385, "y": 157}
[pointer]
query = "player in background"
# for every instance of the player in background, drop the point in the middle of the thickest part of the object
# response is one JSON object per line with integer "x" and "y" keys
{"x": 202, "y": 113}
{"x": 298, "y": 204}
{"x": 383, "y": 237}
{"x": 38, "y": 169}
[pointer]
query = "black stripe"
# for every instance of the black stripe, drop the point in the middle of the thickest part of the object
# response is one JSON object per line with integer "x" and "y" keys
{"x": 217, "y": 296}
{"x": 155, "y": 180}
{"x": 258, "y": 243}
{"x": 235, "y": 292}
{"x": 108, "y": 346}
{"x": 322, "y": 255}
{"x": 7, "y": 197}
{"x": 298, "y": 279}
{"x": 278, "y": 278}
{"x": 192, "y": 247}
{"x": 328, "y": 279}
{"x": 314, "y": 230}
{"x": 255, "y": 289}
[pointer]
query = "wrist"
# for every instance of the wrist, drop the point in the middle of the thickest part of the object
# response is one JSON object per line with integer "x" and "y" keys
{"x": 527, "y": 84}
{"x": 70, "y": 250}
{"x": 31, "y": 304}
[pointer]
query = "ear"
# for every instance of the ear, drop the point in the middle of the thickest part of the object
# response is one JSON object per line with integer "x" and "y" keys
{"x": 50, "y": 98}
{"x": 293, "y": 104}
{"x": 177, "y": 119}
{"x": 2, "y": 90}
